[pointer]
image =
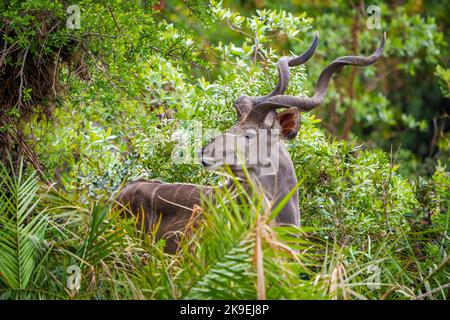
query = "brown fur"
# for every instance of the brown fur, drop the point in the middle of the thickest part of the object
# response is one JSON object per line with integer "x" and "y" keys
{"x": 171, "y": 205}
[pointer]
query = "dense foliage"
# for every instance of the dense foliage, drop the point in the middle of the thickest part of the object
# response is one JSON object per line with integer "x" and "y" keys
{"x": 139, "y": 73}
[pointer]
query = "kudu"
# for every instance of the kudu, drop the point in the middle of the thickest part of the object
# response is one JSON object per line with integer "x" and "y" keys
{"x": 170, "y": 205}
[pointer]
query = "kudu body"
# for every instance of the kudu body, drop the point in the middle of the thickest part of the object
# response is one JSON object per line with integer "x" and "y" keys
{"x": 171, "y": 205}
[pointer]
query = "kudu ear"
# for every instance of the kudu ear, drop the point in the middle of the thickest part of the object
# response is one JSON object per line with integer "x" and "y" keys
{"x": 288, "y": 122}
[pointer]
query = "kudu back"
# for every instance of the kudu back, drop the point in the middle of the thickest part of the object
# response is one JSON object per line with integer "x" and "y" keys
{"x": 170, "y": 206}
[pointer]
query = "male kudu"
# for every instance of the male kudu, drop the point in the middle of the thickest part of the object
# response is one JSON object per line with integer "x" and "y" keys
{"x": 171, "y": 204}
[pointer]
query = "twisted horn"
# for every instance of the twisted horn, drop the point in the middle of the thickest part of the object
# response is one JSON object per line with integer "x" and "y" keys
{"x": 260, "y": 111}
{"x": 283, "y": 66}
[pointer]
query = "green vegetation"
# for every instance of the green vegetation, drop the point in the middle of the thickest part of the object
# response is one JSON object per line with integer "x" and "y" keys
{"x": 372, "y": 161}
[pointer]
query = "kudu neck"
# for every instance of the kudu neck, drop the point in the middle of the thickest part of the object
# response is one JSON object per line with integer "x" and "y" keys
{"x": 275, "y": 187}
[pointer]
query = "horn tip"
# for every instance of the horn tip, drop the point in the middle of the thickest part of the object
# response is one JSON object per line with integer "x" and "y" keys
{"x": 380, "y": 49}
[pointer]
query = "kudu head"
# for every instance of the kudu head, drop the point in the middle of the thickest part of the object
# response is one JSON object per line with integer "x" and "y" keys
{"x": 261, "y": 127}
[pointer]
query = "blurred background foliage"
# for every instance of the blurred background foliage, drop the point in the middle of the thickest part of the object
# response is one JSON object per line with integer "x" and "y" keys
{"x": 92, "y": 107}
{"x": 400, "y": 102}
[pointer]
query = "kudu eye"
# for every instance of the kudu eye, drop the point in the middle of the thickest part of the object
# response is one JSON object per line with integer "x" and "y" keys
{"x": 249, "y": 135}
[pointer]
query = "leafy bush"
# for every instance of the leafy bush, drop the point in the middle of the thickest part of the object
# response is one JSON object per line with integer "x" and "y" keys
{"x": 367, "y": 231}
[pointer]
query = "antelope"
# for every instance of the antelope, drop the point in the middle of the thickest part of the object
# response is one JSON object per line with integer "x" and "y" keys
{"x": 170, "y": 205}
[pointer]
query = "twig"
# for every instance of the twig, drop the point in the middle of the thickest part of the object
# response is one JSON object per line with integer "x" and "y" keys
{"x": 22, "y": 77}
{"x": 114, "y": 18}
{"x": 255, "y": 54}
{"x": 172, "y": 55}
{"x": 385, "y": 186}
{"x": 435, "y": 136}
{"x": 30, "y": 155}
{"x": 429, "y": 293}
{"x": 97, "y": 34}
{"x": 230, "y": 25}
{"x": 55, "y": 71}
{"x": 191, "y": 10}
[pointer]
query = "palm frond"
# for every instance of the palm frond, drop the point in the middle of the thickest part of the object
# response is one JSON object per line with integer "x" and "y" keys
{"x": 102, "y": 238}
{"x": 22, "y": 228}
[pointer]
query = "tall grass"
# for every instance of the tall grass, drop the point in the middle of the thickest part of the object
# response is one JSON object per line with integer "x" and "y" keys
{"x": 235, "y": 253}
